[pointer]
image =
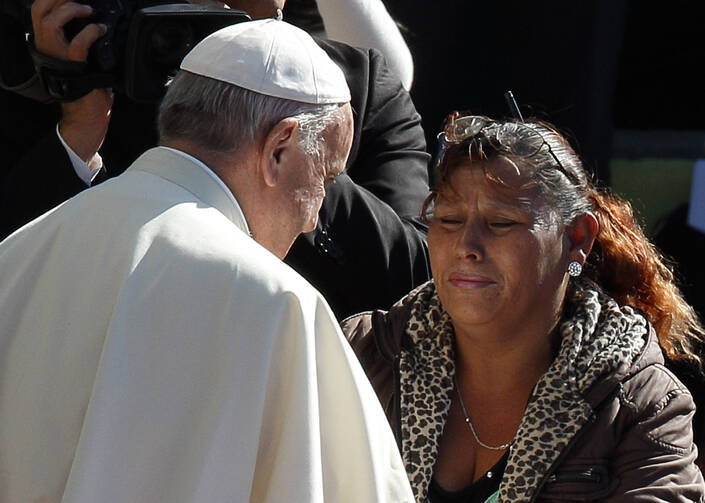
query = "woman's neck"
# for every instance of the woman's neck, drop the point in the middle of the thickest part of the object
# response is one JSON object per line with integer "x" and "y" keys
{"x": 503, "y": 362}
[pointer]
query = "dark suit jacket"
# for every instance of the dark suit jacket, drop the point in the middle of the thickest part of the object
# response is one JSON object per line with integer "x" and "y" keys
{"x": 369, "y": 248}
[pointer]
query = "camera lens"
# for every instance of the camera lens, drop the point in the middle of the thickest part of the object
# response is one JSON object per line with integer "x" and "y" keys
{"x": 169, "y": 43}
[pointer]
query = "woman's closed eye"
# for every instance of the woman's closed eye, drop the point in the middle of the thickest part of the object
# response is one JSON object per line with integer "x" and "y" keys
{"x": 502, "y": 224}
{"x": 449, "y": 220}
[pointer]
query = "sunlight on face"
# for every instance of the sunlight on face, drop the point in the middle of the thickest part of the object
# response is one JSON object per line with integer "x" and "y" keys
{"x": 496, "y": 253}
{"x": 302, "y": 188}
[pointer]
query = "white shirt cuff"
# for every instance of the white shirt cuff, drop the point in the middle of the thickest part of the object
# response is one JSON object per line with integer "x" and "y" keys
{"x": 86, "y": 171}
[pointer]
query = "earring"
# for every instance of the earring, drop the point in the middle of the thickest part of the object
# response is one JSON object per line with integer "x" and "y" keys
{"x": 279, "y": 15}
{"x": 574, "y": 268}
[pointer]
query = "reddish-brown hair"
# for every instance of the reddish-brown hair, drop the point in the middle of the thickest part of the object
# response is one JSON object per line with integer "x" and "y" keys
{"x": 625, "y": 264}
{"x": 634, "y": 272}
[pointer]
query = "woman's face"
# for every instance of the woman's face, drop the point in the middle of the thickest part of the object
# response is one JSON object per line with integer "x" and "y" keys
{"x": 498, "y": 255}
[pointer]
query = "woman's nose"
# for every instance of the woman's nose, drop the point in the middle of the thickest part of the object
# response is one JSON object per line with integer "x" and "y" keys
{"x": 471, "y": 242}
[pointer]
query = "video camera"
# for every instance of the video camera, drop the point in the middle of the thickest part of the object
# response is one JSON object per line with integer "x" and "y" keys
{"x": 143, "y": 47}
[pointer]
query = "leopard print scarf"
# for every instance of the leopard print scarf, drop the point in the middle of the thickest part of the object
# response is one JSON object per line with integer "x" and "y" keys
{"x": 596, "y": 338}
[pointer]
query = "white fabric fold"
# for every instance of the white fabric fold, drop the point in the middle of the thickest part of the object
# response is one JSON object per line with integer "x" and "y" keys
{"x": 152, "y": 351}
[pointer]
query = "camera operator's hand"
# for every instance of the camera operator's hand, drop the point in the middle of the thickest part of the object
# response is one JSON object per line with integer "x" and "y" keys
{"x": 84, "y": 122}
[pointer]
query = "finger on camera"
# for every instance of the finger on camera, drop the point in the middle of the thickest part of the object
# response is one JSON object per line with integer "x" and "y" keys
{"x": 49, "y": 36}
{"x": 68, "y": 11}
{"x": 81, "y": 43}
{"x": 57, "y": 18}
{"x": 42, "y": 9}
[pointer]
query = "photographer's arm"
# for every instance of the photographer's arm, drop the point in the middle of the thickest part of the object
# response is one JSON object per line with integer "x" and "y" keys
{"x": 388, "y": 157}
{"x": 367, "y": 23}
{"x": 370, "y": 246}
{"x": 84, "y": 122}
{"x": 38, "y": 172}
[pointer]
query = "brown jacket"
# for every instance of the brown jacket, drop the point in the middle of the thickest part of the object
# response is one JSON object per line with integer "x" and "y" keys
{"x": 634, "y": 442}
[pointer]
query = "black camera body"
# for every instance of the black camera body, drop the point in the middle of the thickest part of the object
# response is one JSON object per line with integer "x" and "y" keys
{"x": 143, "y": 47}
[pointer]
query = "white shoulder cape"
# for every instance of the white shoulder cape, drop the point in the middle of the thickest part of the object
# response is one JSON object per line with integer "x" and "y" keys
{"x": 151, "y": 351}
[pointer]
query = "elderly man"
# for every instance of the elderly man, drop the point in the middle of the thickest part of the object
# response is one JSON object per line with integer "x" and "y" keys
{"x": 369, "y": 247}
{"x": 154, "y": 347}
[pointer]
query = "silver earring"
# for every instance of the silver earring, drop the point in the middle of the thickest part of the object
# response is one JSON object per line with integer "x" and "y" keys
{"x": 574, "y": 268}
{"x": 279, "y": 15}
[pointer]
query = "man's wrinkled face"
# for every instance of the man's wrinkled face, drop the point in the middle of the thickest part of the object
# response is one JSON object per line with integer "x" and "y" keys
{"x": 303, "y": 185}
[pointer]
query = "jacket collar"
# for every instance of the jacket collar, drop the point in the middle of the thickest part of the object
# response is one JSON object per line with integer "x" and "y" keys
{"x": 191, "y": 174}
{"x": 426, "y": 370}
{"x": 599, "y": 339}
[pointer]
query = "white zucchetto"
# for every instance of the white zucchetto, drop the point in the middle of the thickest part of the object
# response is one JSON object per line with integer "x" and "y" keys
{"x": 270, "y": 57}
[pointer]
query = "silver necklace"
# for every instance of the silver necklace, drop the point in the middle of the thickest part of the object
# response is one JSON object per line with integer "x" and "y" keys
{"x": 472, "y": 428}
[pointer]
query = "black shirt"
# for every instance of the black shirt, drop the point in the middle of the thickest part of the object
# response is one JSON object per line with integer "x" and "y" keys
{"x": 477, "y": 492}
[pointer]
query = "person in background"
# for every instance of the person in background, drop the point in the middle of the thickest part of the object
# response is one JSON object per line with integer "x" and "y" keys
{"x": 531, "y": 367}
{"x": 360, "y": 23}
{"x": 369, "y": 247}
{"x": 155, "y": 347}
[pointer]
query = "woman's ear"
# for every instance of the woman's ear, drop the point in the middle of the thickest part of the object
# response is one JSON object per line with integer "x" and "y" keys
{"x": 276, "y": 149}
{"x": 582, "y": 236}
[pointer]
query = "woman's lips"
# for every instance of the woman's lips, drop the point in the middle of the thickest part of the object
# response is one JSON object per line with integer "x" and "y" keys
{"x": 463, "y": 280}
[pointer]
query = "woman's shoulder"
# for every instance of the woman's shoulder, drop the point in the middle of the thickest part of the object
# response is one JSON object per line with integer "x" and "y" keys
{"x": 377, "y": 337}
{"x": 640, "y": 436}
{"x": 380, "y": 332}
{"x": 650, "y": 388}
{"x": 640, "y": 374}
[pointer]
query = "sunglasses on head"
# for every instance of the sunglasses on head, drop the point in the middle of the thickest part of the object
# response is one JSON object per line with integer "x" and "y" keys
{"x": 516, "y": 138}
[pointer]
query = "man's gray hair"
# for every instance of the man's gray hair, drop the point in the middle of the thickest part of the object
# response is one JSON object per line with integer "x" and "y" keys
{"x": 223, "y": 117}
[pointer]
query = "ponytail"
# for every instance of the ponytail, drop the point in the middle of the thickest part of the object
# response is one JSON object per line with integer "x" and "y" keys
{"x": 633, "y": 271}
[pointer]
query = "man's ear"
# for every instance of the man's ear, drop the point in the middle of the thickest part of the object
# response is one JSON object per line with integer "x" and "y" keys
{"x": 582, "y": 236}
{"x": 276, "y": 148}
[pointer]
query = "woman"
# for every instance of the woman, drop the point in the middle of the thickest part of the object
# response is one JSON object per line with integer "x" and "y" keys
{"x": 534, "y": 357}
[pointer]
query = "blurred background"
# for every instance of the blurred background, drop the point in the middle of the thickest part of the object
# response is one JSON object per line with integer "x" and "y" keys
{"x": 619, "y": 77}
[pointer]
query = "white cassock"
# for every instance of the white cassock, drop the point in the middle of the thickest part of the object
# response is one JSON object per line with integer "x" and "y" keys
{"x": 151, "y": 351}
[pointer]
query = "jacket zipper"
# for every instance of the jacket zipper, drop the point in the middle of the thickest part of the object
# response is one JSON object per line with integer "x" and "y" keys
{"x": 566, "y": 450}
{"x": 588, "y": 475}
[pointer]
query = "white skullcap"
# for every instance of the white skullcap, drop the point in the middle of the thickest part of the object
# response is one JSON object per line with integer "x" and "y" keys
{"x": 270, "y": 57}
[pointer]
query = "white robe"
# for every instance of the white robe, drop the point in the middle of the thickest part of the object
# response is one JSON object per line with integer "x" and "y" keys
{"x": 151, "y": 351}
